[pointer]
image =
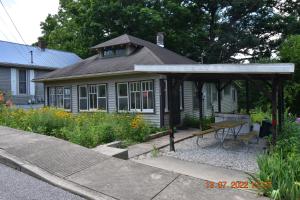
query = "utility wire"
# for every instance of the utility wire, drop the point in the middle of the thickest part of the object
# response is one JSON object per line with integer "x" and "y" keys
{"x": 13, "y": 24}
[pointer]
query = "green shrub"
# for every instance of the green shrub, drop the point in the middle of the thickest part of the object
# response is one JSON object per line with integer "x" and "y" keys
{"x": 281, "y": 165}
{"x": 258, "y": 115}
{"x": 86, "y": 129}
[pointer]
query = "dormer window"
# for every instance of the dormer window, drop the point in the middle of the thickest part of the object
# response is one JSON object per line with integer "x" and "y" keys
{"x": 114, "y": 52}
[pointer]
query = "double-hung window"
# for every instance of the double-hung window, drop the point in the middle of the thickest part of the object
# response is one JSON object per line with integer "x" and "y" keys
{"x": 52, "y": 98}
{"x": 101, "y": 97}
{"x": 135, "y": 96}
{"x": 22, "y": 81}
{"x": 92, "y": 97}
{"x": 83, "y": 98}
{"x": 60, "y": 97}
{"x": 122, "y": 89}
{"x": 147, "y": 96}
{"x": 67, "y": 98}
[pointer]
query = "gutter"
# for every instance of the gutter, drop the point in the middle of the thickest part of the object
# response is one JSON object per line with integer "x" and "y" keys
{"x": 27, "y": 66}
{"x": 86, "y": 76}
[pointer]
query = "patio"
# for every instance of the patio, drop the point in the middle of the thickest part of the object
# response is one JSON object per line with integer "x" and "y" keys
{"x": 233, "y": 155}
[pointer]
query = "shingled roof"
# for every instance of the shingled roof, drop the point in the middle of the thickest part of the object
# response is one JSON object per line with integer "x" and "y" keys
{"x": 147, "y": 54}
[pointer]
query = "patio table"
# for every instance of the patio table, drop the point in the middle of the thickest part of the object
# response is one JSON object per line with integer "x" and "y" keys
{"x": 224, "y": 128}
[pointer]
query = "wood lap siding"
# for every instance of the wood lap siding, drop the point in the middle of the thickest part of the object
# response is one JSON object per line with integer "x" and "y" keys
{"x": 153, "y": 118}
{"x": 74, "y": 99}
{"x": 5, "y": 79}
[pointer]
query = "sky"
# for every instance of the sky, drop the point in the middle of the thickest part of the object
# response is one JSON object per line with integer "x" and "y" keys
{"x": 27, "y": 15}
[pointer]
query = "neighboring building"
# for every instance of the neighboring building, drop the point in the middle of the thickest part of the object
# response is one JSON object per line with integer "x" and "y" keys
{"x": 107, "y": 82}
{"x": 19, "y": 64}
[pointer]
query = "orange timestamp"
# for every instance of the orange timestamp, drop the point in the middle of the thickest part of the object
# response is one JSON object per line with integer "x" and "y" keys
{"x": 238, "y": 184}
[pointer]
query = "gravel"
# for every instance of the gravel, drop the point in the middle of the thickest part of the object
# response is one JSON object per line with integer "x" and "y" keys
{"x": 15, "y": 185}
{"x": 233, "y": 155}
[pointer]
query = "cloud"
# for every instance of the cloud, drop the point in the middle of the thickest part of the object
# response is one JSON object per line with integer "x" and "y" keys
{"x": 27, "y": 16}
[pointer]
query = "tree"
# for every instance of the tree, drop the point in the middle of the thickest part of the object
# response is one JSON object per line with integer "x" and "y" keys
{"x": 212, "y": 31}
{"x": 290, "y": 52}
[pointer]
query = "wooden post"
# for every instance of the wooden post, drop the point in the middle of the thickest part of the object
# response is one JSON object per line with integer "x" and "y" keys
{"x": 162, "y": 102}
{"x": 274, "y": 109}
{"x": 200, "y": 97}
{"x": 219, "y": 96}
{"x": 280, "y": 105}
{"x": 247, "y": 97}
{"x": 170, "y": 84}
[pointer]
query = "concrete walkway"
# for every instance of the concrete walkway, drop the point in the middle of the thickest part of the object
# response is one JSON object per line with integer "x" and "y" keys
{"x": 95, "y": 176}
{"x": 197, "y": 170}
{"x": 146, "y": 147}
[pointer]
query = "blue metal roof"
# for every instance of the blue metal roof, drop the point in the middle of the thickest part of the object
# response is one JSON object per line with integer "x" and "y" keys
{"x": 13, "y": 54}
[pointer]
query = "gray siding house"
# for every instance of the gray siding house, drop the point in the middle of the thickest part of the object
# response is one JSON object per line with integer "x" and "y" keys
{"x": 20, "y": 64}
{"x": 106, "y": 82}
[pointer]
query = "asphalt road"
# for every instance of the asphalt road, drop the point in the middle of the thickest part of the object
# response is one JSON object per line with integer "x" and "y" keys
{"x": 15, "y": 185}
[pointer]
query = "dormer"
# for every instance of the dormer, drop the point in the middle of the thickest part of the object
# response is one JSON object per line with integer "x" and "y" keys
{"x": 120, "y": 46}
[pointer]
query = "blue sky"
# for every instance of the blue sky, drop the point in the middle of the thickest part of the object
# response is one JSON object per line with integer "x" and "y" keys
{"x": 27, "y": 15}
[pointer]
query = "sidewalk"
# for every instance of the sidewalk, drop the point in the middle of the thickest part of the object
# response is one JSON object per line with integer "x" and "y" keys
{"x": 96, "y": 176}
{"x": 146, "y": 147}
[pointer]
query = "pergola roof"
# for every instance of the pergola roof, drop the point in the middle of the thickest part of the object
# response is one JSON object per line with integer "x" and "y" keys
{"x": 275, "y": 68}
{"x": 221, "y": 71}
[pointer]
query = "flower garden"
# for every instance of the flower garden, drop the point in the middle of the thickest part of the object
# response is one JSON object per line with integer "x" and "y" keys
{"x": 86, "y": 129}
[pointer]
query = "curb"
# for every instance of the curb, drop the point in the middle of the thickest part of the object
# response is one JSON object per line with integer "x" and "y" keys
{"x": 27, "y": 168}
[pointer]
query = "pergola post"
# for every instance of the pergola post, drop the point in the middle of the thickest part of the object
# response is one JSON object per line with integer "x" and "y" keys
{"x": 171, "y": 90}
{"x": 247, "y": 97}
{"x": 274, "y": 109}
{"x": 199, "y": 85}
{"x": 280, "y": 105}
{"x": 219, "y": 96}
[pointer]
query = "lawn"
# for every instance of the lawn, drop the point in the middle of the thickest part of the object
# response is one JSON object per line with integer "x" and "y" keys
{"x": 86, "y": 129}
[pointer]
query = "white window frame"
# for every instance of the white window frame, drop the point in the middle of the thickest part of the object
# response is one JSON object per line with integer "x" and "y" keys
{"x": 79, "y": 97}
{"x": 94, "y": 93}
{"x": 135, "y": 92}
{"x": 147, "y": 89}
{"x": 67, "y": 98}
{"x": 98, "y": 97}
{"x": 121, "y": 97}
{"x": 57, "y": 95}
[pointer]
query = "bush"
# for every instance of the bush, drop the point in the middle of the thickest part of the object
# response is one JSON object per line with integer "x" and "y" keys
{"x": 192, "y": 122}
{"x": 86, "y": 129}
{"x": 281, "y": 166}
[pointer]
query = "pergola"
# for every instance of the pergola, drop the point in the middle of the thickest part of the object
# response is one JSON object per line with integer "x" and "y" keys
{"x": 271, "y": 75}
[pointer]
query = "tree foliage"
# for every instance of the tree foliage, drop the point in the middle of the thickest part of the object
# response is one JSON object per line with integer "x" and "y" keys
{"x": 214, "y": 31}
{"x": 290, "y": 52}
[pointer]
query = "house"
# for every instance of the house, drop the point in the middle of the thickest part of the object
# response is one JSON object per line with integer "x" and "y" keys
{"x": 107, "y": 82}
{"x": 20, "y": 64}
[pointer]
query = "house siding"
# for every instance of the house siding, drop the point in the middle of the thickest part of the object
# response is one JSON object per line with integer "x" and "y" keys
{"x": 39, "y": 87}
{"x": 227, "y": 103}
{"x": 5, "y": 79}
{"x": 111, "y": 82}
